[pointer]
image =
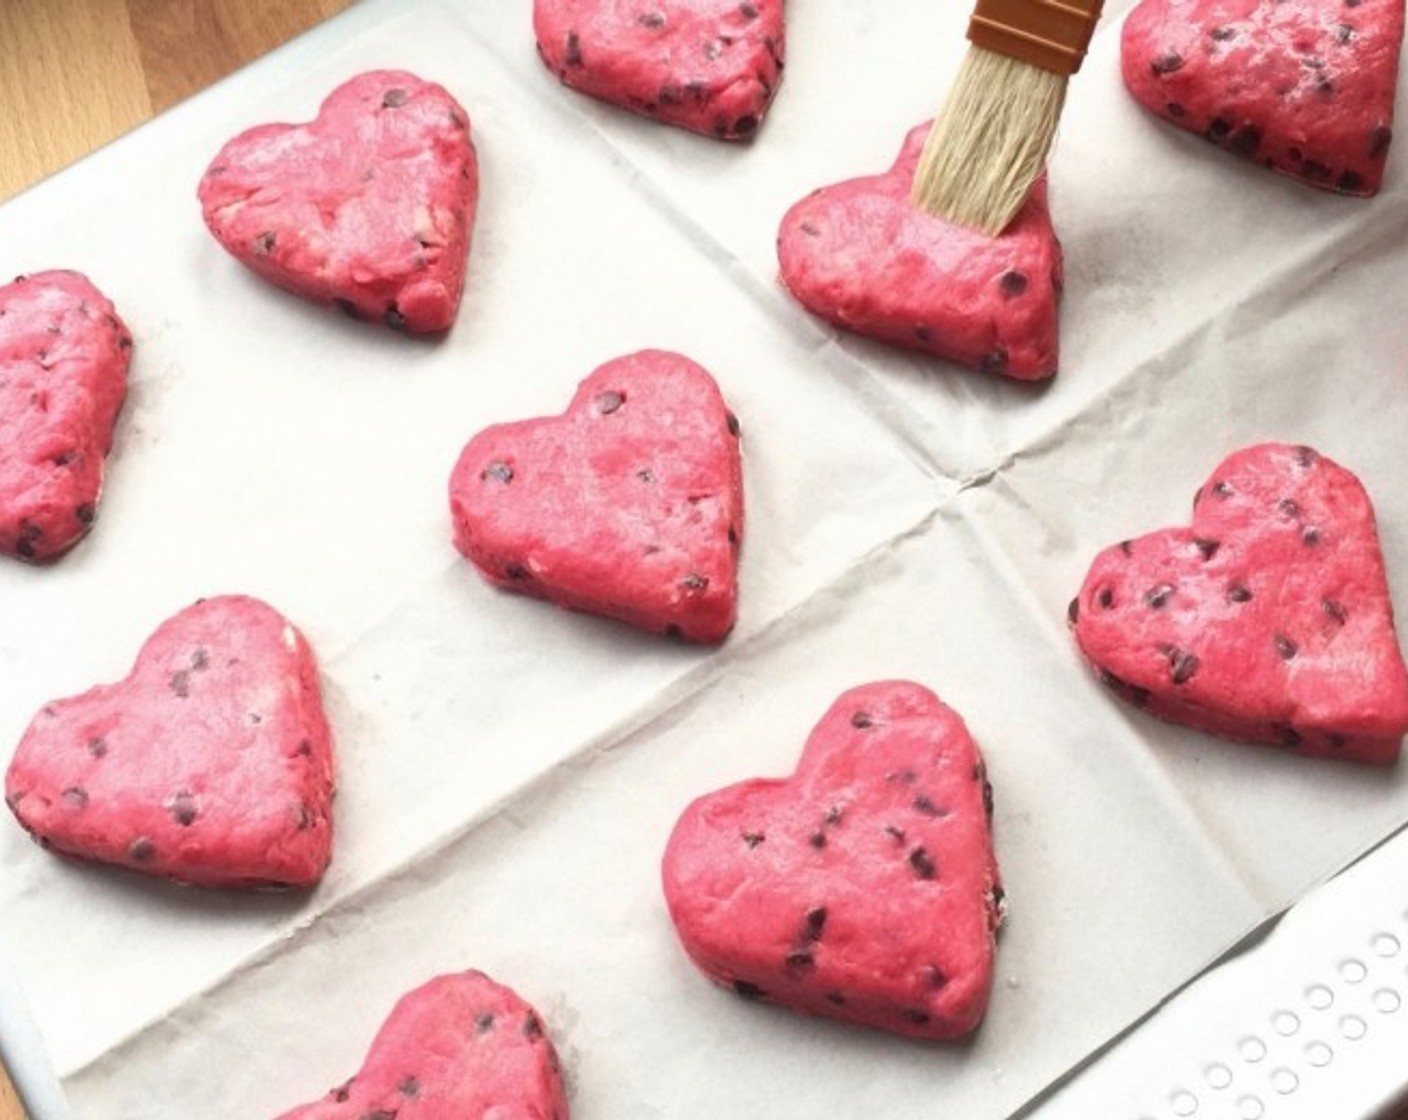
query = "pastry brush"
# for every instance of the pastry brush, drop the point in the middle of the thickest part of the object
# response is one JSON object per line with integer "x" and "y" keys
{"x": 990, "y": 142}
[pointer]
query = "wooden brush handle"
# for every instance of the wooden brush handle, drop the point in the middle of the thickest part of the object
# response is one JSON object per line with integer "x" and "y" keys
{"x": 10, "y": 1107}
{"x": 1049, "y": 34}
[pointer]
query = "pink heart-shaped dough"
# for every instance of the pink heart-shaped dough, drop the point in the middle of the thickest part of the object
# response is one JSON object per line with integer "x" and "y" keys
{"x": 1268, "y": 620}
{"x": 64, "y": 355}
{"x": 861, "y": 256}
{"x": 369, "y": 208}
{"x": 211, "y": 763}
{"x": 711, "y": 66}
{"x": 629, "y": 504}
{"x": 863, "y": 887}
{"x": 458, "y": 1047}
{"x": 1306, "y": 88}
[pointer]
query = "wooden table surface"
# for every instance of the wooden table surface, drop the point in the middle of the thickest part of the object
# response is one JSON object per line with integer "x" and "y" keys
{"x": 75, "y": 74}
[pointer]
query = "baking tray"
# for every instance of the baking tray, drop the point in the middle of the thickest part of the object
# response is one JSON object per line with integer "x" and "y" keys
{"x": 509, "y": 773}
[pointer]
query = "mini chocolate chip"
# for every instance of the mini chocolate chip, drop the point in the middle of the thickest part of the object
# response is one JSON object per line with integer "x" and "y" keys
{"x": 833, "y": 815}
{"x": 1289, "y": 736}
{"x": 694, "y": 582}
{"x": 532, "y": 1026}
{"x": 410, "y": 1087}
{"x": 1325, "y": 88}
{"x": 1073, "y": 611}
{"x": 141, "y": 849}
{"x": 498, "y": 470}
{"x": 645, "y": 474}
{"x": 484, "y": 1021}
{"x": 916, "y": 1016}
{"x": 348, "y": 308}
{"x": 922, "y": 863}
{"x": 747, "y": 990}
{"x": 753, "y": 839}
{"x": 1217, "y": 130}
{"x": 1314, "y": 170}
{"x": 817, "y": 839}
{"x": 1182, "y": 666}
{"x": 1127, "y": 547}
{"x": 1288, "y": 507}
{"x": 799, "y": 960}
{"x": 907, "y": 776}
{"x": 652, "y": 20}
{"x": 935, "y": 977}
{"x": 394, "y": 319}
{"x": 861, "y": 719}
{"x": 1351, "y": 182}
{"x": 1167, "y": 63}
{"x": 573, "y": 56}
{"x": 1344, "y": 33}
{"x": 816, "y": 922}
{"x": 180, "y": 683}
{"x": 673, "y": 631}
{"x": 895, "y": 833}
{"x": 394, "y": 98}
{"x": 200, "y": 659}
{"x": 1246, "y": 140}
{"x": 264, "y": 243}
{"x": 1286, "y": 647}
{"x": 1222, "y": 489}
{"x": 1159, "y": 596}
{"x": 1206, "y": 547}
{"x": 1239, "y": 593}
{"x": 609, "y": 401}
{"x": 343, "y": 1091}
{"x": 516, "y": 572}
{"x": 86, "y": 513}
{"x": 1335, "y": 609}
{"x": 1222, "y": 34}
{"x": 994, "y": 361}
{"x": 809, "y": 229}
{"x": 97, "y": 747}
{"x": 987, "y": 798}
{"x": 747, "y": 11}
{"x": 1379, "y": 140}
{"x": 1310, "y": 535}
{"x": 924, "y": 805}
{"x": 305, "y": 747}
{"x": 746, "y": 125}
{"x": 923, "y": 334}
{"x": 1106, "y": 598}
{"x": 76, "y": 796}
{"x": 732, "y": 535}
{"x": 732, "y": 423}
{"x": 65, "y": 457}
{"x": 1012, "y": 283}
{"x": 1175, "y": 110}
{"x": 182, "y": 807}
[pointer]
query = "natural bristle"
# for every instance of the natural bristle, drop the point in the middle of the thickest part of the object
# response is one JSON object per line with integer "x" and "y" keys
{"x": 990, "y": 142}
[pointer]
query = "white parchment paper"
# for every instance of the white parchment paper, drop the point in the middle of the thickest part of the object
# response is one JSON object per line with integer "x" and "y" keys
{"x": 508, "y": 772}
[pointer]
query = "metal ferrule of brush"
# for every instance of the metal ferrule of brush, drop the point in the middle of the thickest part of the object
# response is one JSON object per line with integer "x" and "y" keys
{"x": 1050, "y": 34}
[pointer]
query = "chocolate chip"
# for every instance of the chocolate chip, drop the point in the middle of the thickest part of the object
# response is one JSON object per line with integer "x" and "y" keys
{"x": 498, "y": 470}
{"x": 1239, "y": 593}
{"x": 1351, "y": 182}
{"x": 1314, "y": 170}
{"x": 484, "y": 1021}
{"x": 97, "y": 747}
{"x": 907, "y": 776}
{"x": 1159, "y": 596}
{"x": 922, "y": 863}
{"x": 1182, "y": 666}
{"x": 1206, "y": 547}
{"x": 1379, "y": 140}
{"x": 180, "y": 683}
{"x": 799, "y": 960}
{"x": 916, "y": 1016}
{"x": 1288, "y": 507}
{"x": 200, "y": 659}
{"x": 1217, "y": 130}
{"x": 1289, "y": 736}
{"x": 1013, "y": 283}
{"x": 746, "y": 125}
{"x": 141, "y": 849}
{"x": 1245, "y": 141}
{"x": 652, "y": 20}
{"x": 1175, "y": 110}
{"x": 732, "y": 535}
{"x": 264, "y": 243}
{"x": 673, "y": 631}
{"x": 182, "y": 807}
{"x": 1222, "y": 34}
{"x": 747, "y": 11}
{"x": 86, "y": 513}
{"x": 815, "y": 923}
{"x": 305, "y": 747}
{"x": 1221, "y": 489}
{"x": 532, "y": 1026}
{"x": 573, "y": 57}
{"x": 645, "y": 474}
{"x": 410, "y": 1087}
{"x": 1344, "y": 33}
{"x": 809, "y": 229}
{"x": 1335, "y": 609}
{"x": 895, "y": 833}
{"x": 747, "y": 990}
{"x": 343, "y": 1091}
{"x": 753, "y": 839}
{"x": 994, "y": 361}
{"x": 935, "y": 977}
{"x": 1073, "y": 611}
{"x": 1167, "y": 63}
{"x": 609, "y": 401}
{"x": 817, "y": 839}
{"x": 394, "y": 319}
{"x": 833, "y": 815}
{"x": 516, "y": 572}
{"x": 694, "y": 582}
{"x": 394, "y": 98}
{"x": 76, "y": 796}
{"x": 987, "y": 798}
{"x": 1127, "y": 547}
{"x": 1310, "y": 536}
{"x": 923, "y": 334}
{"x": 732, "y": 422}
{"x": 861, "y": 719}
{"x": 1285, "y": 647}
{"x": 924, "y": 805}
{"x": 1106, "y": 598}
{"x": 348, "y": 308}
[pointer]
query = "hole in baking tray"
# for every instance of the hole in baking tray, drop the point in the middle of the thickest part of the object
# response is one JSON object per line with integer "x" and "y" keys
{"x": 1252, "y": 1049}
{"x": 1353, "y": 1027}
{"x": 1184, "y": 1103}
{"x": 1218, "y": 1075}
{"x": 1250, "y": 1108}
{"x": 1353, "y": 971}
{"x": 1387, "y": 1001}
{"x": 1286, "y": 1023}
{"x": 1386, "y": 945}
{"x": 1319, "y": 996}
{"x": 1319, "y": 1054}
{"x": 1285, "y": 1081}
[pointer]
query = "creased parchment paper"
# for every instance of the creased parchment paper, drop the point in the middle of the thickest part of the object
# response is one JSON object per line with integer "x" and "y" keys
{"x": 509, "y": 772}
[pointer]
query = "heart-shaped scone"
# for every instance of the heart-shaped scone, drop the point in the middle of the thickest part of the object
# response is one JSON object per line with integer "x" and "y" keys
{"x": 1305, "y": 88}
{"x": 211, "y": 763}
{"x": 863, "y": 887}
{"x": 861, "y": 256}
{"x": 1268, "y": 620}
{"x": 457, "y": 1048}
{"x": 64, "y": 355}
{"x": 628, "y": 505}
{"x": 711, "y": 66}
{"x": 369, "y": 208}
